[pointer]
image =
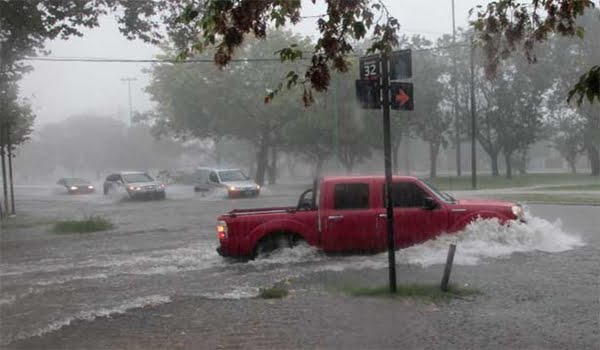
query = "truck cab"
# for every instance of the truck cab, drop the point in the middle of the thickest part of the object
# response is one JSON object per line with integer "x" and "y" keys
{"x": 347, "y": 215}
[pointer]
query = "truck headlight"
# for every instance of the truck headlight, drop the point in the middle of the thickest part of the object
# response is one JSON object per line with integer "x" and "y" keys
{"x": 222, "y": 230}
{"x": 517, "y": 210}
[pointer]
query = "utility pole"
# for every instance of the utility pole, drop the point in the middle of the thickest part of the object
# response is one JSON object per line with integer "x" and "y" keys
{"x": 473, "y": 125}
{"x": 3, "y": 161}
{"x": 336, "y": 136}
{"x": 454, "y": 82}
{"x": 129, "y": 80}
{"x": 10, "y": 171}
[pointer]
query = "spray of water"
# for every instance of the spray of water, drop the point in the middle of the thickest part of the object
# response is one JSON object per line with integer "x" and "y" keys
{"x": 482, "y": 239}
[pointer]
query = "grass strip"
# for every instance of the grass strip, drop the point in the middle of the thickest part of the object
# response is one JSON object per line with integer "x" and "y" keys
{"x": 423, "y": 292}
{"x": 87, "y": 225}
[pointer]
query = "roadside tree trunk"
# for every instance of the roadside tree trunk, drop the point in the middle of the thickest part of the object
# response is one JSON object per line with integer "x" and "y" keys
{"x": 494, "y": 163}
{"x": 572, "y": 166}
{"x": 507, "y": 159}
{"x": 272, "y": 169}
{"x": 594, "y": 157}
{"x": 319, "y": 167}
{"x": 291, "y": 165}
{"x": 262, "y": 158}
{"x": 434, "y": 149}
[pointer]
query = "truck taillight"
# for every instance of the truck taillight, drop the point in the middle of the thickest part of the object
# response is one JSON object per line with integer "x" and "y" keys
{"x": 222, "y": 230}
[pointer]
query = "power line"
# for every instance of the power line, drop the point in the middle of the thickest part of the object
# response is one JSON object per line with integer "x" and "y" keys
{"x": 132, "y": 60}
{"x": 199, "y": 60}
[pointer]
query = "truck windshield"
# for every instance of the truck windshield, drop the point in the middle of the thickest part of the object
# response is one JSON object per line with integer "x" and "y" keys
{"x": 141, "y": 177}
{"x": 232, "y": 175}
{"x": 443, "y": 196}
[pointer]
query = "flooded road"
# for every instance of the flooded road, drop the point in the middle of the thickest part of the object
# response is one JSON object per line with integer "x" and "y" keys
{"x": 160, "y": 251}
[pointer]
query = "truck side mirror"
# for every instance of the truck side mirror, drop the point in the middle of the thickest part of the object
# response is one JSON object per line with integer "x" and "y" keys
{"x": 429, "y": 203}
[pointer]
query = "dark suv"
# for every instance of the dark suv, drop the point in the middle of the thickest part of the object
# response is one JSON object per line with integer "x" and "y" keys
{"x": 136, "y": 184}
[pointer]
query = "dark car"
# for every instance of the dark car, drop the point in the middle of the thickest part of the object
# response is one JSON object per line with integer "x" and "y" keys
{"x": 76, "y": 185}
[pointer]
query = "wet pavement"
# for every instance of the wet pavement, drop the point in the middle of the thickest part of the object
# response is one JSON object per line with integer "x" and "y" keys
{"x": 155, "y": 281}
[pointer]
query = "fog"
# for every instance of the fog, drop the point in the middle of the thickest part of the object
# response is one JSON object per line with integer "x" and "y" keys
{"x": 216, "y": 131}
{"x": 59, "y": 90}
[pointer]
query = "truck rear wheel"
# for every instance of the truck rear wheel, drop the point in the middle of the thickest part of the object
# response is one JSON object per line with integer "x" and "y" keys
{"x": 275, "y": 241}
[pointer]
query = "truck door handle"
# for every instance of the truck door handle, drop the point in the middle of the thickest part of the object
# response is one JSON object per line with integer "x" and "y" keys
{"x": 382, "y": 215}
{"x": 335, "y": 217}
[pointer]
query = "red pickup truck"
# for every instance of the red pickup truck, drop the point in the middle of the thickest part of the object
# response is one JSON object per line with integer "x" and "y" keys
{"x": 346, "y": 214}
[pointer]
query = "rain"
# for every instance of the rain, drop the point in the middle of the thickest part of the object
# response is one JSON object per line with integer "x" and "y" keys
{"x": 256, "y": 174}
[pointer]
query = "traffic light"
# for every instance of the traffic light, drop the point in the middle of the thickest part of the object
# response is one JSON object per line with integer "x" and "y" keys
{"x": 368, "y": 93}
{"x": 401, "y": 96}
{"x": 401, "y": 65}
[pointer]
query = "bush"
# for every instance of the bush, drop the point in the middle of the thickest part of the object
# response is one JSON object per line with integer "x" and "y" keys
{"x": 272, "y": 293}
{"x": 90, "y": 224}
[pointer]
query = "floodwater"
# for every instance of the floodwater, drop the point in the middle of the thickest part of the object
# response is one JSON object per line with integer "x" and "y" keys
{"x": 163, "y": 249}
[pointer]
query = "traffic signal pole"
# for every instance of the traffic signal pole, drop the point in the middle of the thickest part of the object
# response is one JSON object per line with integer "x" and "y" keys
{"x": 387, "y": 151}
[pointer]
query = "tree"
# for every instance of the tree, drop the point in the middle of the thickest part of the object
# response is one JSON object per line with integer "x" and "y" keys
{"x": 433, "y": 114}
{"x": 504, "y": 25}
{"x": 16, "y": 114}
{"x": 200, "y": 101}
{"x": 563, "y": 58}
{"x": 225, "y": 24}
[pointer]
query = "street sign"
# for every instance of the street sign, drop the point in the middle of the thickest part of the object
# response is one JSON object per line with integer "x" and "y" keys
{"x": 370, "y": 67}
{"x": 402, "y": 96}
{"x": 400, "y": 65}
{"x": 368, "y": 94}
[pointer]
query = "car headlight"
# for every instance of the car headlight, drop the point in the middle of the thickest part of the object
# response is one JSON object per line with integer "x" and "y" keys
{"x": 517, "y": 210}
{"x": 73, "y": 188}
{"x": 91, "y": 187}
{"x": 258, "y": 187}
{"x": 232, "y": 188}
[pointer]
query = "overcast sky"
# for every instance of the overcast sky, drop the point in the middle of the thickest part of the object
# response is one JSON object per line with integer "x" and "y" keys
{"x": 59, "y": 90}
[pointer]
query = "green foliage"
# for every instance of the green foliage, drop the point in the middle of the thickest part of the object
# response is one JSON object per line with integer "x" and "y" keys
{"x": 484, "y": 182}
{"x": 272, "y": 293}
{"x": 550, "y": 198}
{"x": 504, "y": 25}
{"x": 587, "y": 86}
{"x": 87, "y": 225}
{"x": 423, "y": 292}
{"x": 227, "y": 24}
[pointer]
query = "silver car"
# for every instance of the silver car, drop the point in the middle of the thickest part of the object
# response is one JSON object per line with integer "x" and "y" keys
{"x": 234, "y": 181}
{"x": 137, "y": 185}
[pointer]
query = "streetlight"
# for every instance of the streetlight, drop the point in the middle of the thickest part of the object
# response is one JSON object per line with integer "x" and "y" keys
{"x": 454, "y": 79}
{"x": 129, "y": 80}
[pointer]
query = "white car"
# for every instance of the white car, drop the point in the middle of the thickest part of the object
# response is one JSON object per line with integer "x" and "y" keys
{"x": 234, "y": 181}
{"x": 136, "y": 184}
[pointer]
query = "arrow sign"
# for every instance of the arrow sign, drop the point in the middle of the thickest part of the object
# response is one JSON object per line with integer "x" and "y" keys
{"x": 402, "y": 96}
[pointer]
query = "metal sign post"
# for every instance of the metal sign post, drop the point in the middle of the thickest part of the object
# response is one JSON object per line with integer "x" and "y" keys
{"x": 387, "y": 153}
{"x": 373, "y": 92}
